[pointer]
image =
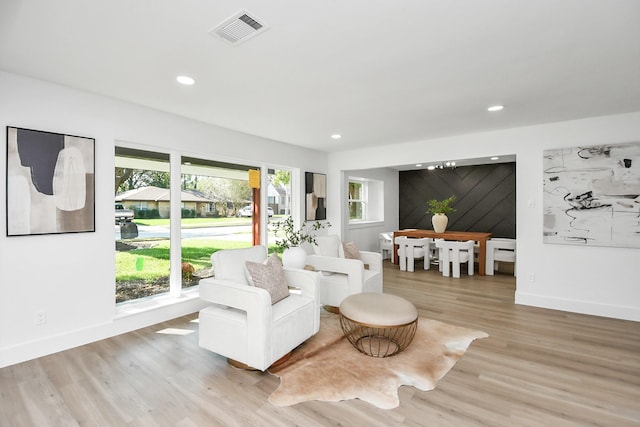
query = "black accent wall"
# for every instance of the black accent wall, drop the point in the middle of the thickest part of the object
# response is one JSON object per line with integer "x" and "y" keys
{"x": 485, "y": 198}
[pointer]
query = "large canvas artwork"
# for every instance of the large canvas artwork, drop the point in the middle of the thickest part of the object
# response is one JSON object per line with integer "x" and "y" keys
{"x": 316, "y": 196}
{"x": 50, "y": 183}
{"x": 592, "y": 195}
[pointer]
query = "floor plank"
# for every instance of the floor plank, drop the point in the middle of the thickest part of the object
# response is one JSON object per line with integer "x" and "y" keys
{"x": 538, "y": 367}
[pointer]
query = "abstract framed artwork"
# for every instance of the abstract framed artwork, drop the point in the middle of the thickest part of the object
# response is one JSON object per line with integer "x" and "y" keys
{"x": 592, "y": 195}
{"x": 50, "y": 183}
{"x": 316, "y": 196}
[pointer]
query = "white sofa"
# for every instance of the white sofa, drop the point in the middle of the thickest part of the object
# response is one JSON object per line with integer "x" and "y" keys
{"x": 342, "y": 276}
{"x": 242, "y": 324}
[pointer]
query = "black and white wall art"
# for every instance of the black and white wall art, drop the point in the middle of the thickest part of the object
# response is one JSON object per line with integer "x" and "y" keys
{"x": 50, "y": 183}
{"x": 592, "y": 195}
{"x": 316, "y": 196}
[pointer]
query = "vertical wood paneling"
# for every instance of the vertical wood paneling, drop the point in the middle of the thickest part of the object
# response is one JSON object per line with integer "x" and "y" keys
{"x": 486, "y": 198}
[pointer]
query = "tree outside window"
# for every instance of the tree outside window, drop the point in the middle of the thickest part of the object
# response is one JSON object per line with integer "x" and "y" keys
{"x": 356, "y": 200}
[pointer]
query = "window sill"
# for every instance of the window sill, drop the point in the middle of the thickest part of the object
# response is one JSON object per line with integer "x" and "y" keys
{"x": 365, "y": 224}
{"x": 151, "y": 303}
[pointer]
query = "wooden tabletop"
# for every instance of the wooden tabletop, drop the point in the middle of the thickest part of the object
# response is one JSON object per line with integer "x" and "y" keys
{"x": 447, "y": 235}
{"x": 480, "y": 237}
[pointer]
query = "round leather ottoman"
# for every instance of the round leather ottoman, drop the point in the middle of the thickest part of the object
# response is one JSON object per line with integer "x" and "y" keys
{"x": 378, "y": 325}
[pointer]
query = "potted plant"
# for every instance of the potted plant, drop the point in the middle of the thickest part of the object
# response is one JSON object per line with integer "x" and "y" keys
{"x": 440, "y": 209}
{"x": 291, "y": 239}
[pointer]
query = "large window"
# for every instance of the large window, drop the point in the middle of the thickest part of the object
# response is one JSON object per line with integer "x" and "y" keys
{"x": 213, "y": 206}
{"x": 142, "y": 232}
{"x": 278, "y": 201}
{"x": 214, "y": 198}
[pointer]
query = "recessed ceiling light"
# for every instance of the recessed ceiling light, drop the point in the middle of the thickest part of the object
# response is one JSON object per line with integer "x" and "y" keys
{"x": 336, "y": 136}
{"x": 431, "y": 167}
{"x": 419, "y": 165}
{"x": 495, "y": 108}
{"x": 495, "y": 158}
{"x": 185, "y": 80}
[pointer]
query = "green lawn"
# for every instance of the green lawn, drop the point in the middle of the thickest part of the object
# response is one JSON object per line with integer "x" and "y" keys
{"x": 198, "y": 222}
{"x": 153, "y": 263}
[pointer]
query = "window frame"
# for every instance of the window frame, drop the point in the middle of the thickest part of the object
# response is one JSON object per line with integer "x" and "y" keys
{"x": 154, "y": 159}
{"x": 176, "y": 160}
{"x": 371, "y": 201}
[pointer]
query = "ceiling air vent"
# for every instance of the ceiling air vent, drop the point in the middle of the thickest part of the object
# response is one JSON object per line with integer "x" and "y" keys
{"x": 240, "y": 27}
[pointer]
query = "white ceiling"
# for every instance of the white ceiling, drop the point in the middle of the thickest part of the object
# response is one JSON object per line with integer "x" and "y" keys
{"x": 375, "y": 71}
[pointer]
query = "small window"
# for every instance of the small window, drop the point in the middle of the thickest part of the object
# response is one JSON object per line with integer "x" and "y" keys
{"x": 357, "y": 201}
{"x": 366, "y": 200}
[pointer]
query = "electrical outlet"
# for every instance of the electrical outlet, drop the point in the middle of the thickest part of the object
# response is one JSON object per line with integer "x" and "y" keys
{"x": 40, "y": 317}
{"x": 532, "y": 277}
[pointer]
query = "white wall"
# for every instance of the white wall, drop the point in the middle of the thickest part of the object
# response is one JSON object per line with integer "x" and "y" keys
{"x": 365, "y": 235}
{"x": 594, "y": 280}
{"x": 71, "y": 276}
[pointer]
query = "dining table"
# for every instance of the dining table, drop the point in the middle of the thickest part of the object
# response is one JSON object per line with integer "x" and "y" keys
{"x": 477, "y": 236}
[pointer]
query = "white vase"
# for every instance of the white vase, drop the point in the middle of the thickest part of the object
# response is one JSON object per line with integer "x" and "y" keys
{"x": 294, "y": 257}
{"x": 439, "y": 222}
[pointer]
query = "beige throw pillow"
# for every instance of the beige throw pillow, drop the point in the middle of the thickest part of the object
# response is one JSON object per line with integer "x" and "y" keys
{"x": 270, "y": 276}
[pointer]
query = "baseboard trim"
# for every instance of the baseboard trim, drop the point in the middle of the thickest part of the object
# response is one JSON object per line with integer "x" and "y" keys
{"x": 25, "y": 351}
{"x": 576, "y": 306}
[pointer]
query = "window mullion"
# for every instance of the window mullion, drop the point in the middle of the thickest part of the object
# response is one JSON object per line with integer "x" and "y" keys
{"x": 175, "y": 219}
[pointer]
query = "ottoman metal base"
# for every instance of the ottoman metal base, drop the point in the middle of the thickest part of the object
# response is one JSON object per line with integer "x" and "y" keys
{"x": 378, "y": 325}
{"x": 378, "y": 341}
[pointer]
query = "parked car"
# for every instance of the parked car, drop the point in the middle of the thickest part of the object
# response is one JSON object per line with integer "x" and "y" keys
{"x": 247, "y": 212}
{"x": 123, "y": 214}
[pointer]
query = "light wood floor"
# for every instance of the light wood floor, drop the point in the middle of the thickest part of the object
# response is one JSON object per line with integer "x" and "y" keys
{"x": 538, "y": 368}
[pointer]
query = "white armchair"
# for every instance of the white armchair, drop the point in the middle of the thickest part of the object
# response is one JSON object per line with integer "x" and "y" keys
{"x": 342, "y": 276}
{"x": 242, "y": 324}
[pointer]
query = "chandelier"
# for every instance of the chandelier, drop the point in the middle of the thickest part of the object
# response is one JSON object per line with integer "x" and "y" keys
{"x": 442, "y": 165}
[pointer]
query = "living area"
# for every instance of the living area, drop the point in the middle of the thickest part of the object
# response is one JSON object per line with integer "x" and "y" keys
{"x": 563, "y": 334}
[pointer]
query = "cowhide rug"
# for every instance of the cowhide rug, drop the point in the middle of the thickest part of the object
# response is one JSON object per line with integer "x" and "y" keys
{"x": 328, "y": 368}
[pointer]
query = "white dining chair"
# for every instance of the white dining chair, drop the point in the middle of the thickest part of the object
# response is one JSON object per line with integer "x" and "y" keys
{"x": 385, "y": 243}
{"x": 455, "y": 253}
{"x": 410, "y": 249}
{"x": 402, "y": 259}
{"x": 500, "y": 250}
